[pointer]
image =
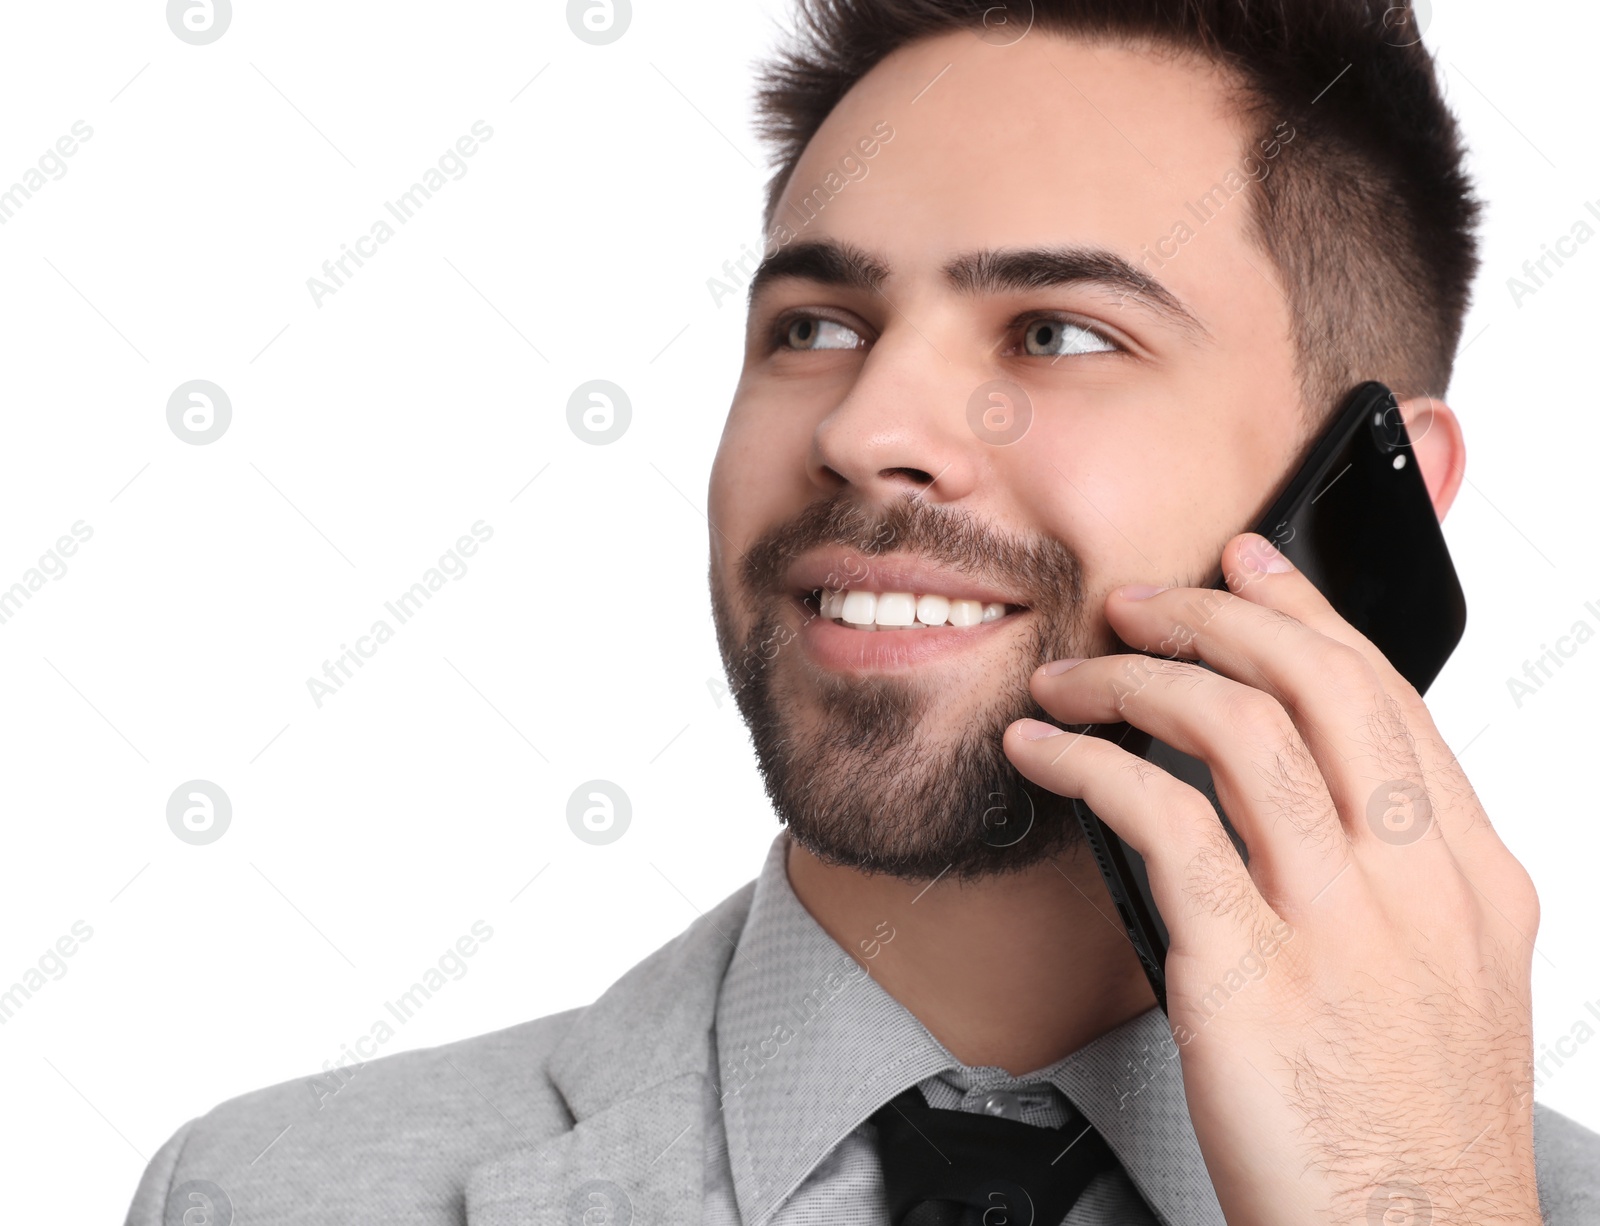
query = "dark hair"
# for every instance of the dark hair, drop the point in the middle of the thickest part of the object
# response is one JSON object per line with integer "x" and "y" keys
{"x": 1368, "y": 216}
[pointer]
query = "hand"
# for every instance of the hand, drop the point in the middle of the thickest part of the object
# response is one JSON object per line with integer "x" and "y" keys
{"x": 1353, "y": 1009}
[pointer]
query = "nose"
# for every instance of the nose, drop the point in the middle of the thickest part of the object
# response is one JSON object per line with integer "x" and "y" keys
{"x": 901, "y": 427}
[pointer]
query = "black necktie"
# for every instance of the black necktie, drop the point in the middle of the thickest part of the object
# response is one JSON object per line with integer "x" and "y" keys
{"x": 960, "y": 1168}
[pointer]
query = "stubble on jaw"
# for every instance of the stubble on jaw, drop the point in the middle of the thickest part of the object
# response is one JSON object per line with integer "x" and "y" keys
{"x": 866, "y": 772}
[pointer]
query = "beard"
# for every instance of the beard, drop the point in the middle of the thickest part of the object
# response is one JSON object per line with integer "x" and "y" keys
{"x": 847, "y": 761}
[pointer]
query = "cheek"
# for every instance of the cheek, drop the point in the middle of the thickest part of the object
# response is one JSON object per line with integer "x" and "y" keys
{"x": 1089, "y": 480}
{"x": 758, "y": 478}
{"x": 722, "y": 494}
{"x": 737, "y": 466}
{"x": 1136, "y": 504}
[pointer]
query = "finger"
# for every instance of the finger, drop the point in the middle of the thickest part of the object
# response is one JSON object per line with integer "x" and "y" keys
{"x": 1354, "y": 730}
{"x": 1462, "y": 819}
{"x": 1265, "y": 777}
{"x": 1199, "y": 883}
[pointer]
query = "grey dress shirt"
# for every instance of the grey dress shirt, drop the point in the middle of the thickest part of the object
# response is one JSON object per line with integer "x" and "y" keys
{"x": 808, "y": 1046}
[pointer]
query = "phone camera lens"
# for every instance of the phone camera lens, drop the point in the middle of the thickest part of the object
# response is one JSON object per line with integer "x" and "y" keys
{"x": 1388, "y": 427}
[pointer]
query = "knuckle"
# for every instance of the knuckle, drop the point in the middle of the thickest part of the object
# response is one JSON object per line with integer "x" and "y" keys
{"x": 1193, "y": 813}
{"x": 1255, "y": 717}
{"x": 1456, "y": 910}
{"x": 1193, "y": 822}
{"x": 1406, "y": 694}
{"x": 1343, "y": 668}
{"x": 1389, "y": 737}
{"x": 1522, "y": 899}
{"x": 1180, "y": 809}
{"x": 1298, "y": 797}
{"x": 1217, "y": 883}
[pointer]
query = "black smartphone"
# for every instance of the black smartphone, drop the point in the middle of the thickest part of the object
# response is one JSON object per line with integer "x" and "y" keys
{"x": 1357, "y": 520}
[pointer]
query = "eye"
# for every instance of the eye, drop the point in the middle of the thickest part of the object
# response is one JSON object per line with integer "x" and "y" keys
{"x": 815, "y": 332}
{"x": 1056, "y": 338}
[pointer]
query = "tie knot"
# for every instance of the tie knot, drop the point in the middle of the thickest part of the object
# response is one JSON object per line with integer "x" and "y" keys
{"x": 965, "y": 1168}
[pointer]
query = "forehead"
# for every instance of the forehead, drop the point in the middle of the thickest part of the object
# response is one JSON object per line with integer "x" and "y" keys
{"x": 1052, "y": 139}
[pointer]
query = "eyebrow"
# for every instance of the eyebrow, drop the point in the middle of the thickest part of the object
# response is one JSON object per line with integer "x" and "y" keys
{"x": 997, "y": 272}
{"x": 1009, "y": 270}
{"x": 824, "y": 261}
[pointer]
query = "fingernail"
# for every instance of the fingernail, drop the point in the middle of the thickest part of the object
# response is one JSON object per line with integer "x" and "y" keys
{"x": 1037, "y": 730}
{"x": 1139, "y": 591}
{"x": 1262, "y": 556}
{"x": 1057, "y": 667}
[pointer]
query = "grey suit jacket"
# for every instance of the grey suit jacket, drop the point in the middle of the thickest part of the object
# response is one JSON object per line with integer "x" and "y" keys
{"x": 606, "y": 1106}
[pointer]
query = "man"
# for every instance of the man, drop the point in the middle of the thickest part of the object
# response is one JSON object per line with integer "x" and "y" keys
{"x": 1051, "y": 306}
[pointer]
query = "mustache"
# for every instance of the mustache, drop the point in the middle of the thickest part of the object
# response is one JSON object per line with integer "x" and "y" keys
{"x": 1043, "y": 571}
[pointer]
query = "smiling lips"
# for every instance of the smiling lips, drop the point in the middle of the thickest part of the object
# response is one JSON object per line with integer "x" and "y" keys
{"x": 866, "y": 610}
{"x": 894, "y": 593}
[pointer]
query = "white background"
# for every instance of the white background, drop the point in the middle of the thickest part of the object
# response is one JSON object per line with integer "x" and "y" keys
{"x": 426, "y": 394}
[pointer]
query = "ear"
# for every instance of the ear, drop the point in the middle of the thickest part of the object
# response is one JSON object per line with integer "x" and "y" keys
{"x": 1440, "y": 451}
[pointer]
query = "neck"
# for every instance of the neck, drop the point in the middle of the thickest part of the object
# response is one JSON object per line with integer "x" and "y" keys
{"x": 1014, "y": 971}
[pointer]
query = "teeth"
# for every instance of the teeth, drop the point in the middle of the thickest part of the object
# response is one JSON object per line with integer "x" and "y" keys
{"x": 896, "y": 609}
{"x": 965, "y": 612}
{"x": 859, "y": 607}
{"x": 863, "y": 610}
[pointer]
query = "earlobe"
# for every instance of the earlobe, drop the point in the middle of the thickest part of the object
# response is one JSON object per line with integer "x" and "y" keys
{"x": 1438, "y": 446}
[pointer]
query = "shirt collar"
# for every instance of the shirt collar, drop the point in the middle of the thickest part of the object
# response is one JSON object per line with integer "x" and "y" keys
{"x": 809, "y": 1045}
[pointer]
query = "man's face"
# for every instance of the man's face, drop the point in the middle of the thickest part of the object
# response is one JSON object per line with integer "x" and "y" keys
{"x": 862, "y": 450}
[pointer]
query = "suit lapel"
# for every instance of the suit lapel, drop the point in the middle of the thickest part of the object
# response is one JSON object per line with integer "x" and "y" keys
{"x": 633, "y": 1071}
{"x": 638, "y": 1162}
